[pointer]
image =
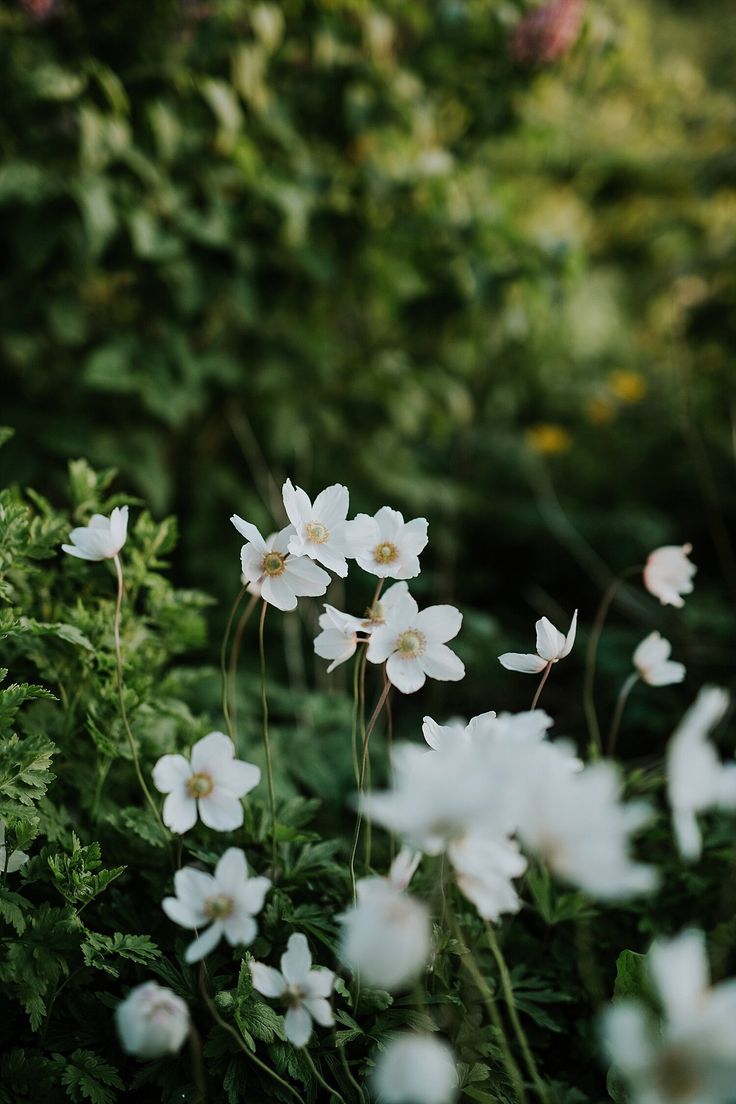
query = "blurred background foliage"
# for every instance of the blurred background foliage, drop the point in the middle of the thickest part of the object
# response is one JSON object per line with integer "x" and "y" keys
{"x": 473, "y": 258}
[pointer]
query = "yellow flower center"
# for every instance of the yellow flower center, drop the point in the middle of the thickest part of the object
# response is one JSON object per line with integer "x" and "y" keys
{"x": 317, "y": 532}
{"x": 200, "y": 785}
{"x": 374, "y": 615}
{"x": 274, "y": 564}
{"x": 676, "y": 1075}
{"x": 218, "y": 907}
{"x": 385, "y": 553}
{"x": 411, "y": 644}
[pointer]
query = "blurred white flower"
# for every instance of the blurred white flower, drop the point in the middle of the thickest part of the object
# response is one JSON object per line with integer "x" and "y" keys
{"x": 320, "y": 528}
{"x": 668, "y": 573}
{"x": 415, "y": 1069}
{"x": 303, "y": 989}
{"x": 575, "y": 822}
{"x": 386, "y": 545}
{"x": 445, "y": 737}
{"x": 9, "y": 863}
{"x": 652, "y": 661}
{"x": 484, "y": 866}
{"x": 386, "y": 936}
{"x": 414, "y": 644}
{"x": 226, "y": 901}
{"x": 385, "y": 605}
{"x": 690, "y": 1057}
{"x": 102, "y": 537}
{"x": 282, "y": 578}
{"x": 211, "y": 784}
{"x": 152, "y": 1021}
{"x": 339, "y": 637}
{"x": 696, "y": 777}
{"x": 551, "y": 647}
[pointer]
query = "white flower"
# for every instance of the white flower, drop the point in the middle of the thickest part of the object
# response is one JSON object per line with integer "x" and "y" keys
{"x": 102, "y": 538}
{"x": 574, "y": 821}
{"x": 696, "y": 778}
{"x": 414, "y": 644}
{"x": 415, "y": 1069}
{"x": 668, "y": 573}
{"x": 282, "y": 578}
{"x": 386, "y": 936}
{"x": 212, "y": 785}
{"x": 320, "y": 529}
{"x": 551, "y": 647}
{"x": 652, "y": 661}
{"x": 339, "y": 637}
{"x": 303, "y": 989}
{"x": 484, "y": 866}
{"x": 226, "y": 901}
{"x": 152, "y": 1021}
{"x": 690, "y": 1058}
{"x": 386, "y": 545}
{"x": 445, "y": 737}
{"x": 9, "y": 863}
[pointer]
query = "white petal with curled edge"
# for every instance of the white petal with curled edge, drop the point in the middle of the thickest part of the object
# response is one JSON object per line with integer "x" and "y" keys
{"x": 118, "y": 527}
{"x": 570, "y": 638}
{"x": 179, "y": 811}
{"x": 439, "y": 623}
{"x": 278, "y": 592}
{"x": 250, "y": 532}
{"x": 306, "y": 577}
{"x": 298, "y": 1025}
{"x": 331, "y": 505}
{"x": 171, "y": 772}
{"x": 296, "y": 961}
{"x": 407, "y": 675}
{"x": 266, "y": 980}
{"x": 205, "y": 943}
{"x": 297, "y": 504}
{"x": 331, "y": 556}
{"x": 550, "y": 640}
{"x": 415, "y": 536}
{"x": 440, "y": 662}
{"x": 527, "y": 664}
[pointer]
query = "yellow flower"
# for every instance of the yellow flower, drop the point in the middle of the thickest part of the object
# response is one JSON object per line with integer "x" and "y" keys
{"x": 629, "y": 387}
{"x": 549, "y": 439}
{"x": 600, "y": 411}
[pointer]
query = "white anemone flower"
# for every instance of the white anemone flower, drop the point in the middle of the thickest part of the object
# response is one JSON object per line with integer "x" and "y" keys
{"x": 152, "y": 1021}
{"x": 210, "y": 785}
{"x": 302, "y": 988}
{"x": 280, "y": 577}
{"x": 653, "y": 663}
{"x": 386, "y": 545}
{"x": 445, "y": 737}
{"x": 690, "y": 1057}
{"x": 101, "y": 538}
{"x": 696, "y": 778}
{"x": 9, "y": 863}
{"x": 320, "y": 528}
{"x": 668, "y": 573}
{"x": 413, "y": 644}
{"x": 341, "y": 633}
{"x": 386, "y": 936}
{"x": 484, "y": 867}
{"x": 416, "y": 1069}
{"x": 551, "y": 647}
{"x": 227, "y": 901}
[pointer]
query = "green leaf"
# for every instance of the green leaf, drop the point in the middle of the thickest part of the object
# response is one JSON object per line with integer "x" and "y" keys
{"x": 631, "y": 976}
{"x": 98, "y": 949}
{"x": 88, "y": 1077}
{"x": 12, "y": 906}
{"x": 24, "y": 769}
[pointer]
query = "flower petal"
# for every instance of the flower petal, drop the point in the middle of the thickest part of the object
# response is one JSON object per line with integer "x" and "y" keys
{"x": 237, "y": 777}
{"x": 179, "y": 811}
{"x": 252, "y": 895}
{"x": 440, "y": 662}
{"x": 171, "y": 772}
{"x": 439, "y": 623}
{"x": 278, "y": 592}
{"x": 320, "y": 1010}
{"x": 231, "y": 871}
{"x": 266, "y": 980}
{"x": 221, "y": 811}
{"x": 193, "y": 886}
{"x": 296, "y": 961}
{"x": 210, "y": 751}
{"x": 250, "y": 532}
{"x": 240, "y": 928}
{"x": 183, "y": 914}
{"x": 550, "y": 640}
{"x": 297, "y": 504}
{"x": 305, "y": 576}
{"x": 382, "y": 644}
{"x": 331, "y": 505}
{"x": 527, "y": 664}
{"x": 298, "y": 1025}
{"x": 570, "y": 638}
{"x": 204, "y": 944}
{"x": 407, "y": 675}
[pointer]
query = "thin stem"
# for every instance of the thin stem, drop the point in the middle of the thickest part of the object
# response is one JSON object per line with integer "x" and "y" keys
{"x": 121, "y": 700}
{"x": 545, "y": 676}
{"x": 266, "y": 741}
{"x": 366, "y": 740}
{"x": 623, "y": 696}
{"x": 349, "y": 1072}
{"x": 320, "y": 1078}
{"x": 198, "y": 1073}
{"x": 508, "y": 991}
{"x": 223, "y": 662}
{"x": 238, "y": 1039}
{"x": 360, "y": 660}
{"x": 471, "y": 966}
{"x": 233, "y": 665}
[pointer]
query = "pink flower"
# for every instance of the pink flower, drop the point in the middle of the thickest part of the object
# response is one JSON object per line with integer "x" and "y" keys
{"x": 547, "y": 33}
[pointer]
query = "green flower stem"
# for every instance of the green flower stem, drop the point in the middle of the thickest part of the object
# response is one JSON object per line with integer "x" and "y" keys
{"x": 320, "y": 1078}
{"x": 349, "y": 1072}
{"x": 121, "y": 699}
{"x": 266, "y": 740}
{"x": 542, "y": 681}
{"x": 198, "y": 1071}
{"x": 366, "y": 740}
{"x": 508, "y": 991}
{"x": 233, "y": 665}
{"x": 358, "y": 671}
{"x": 223, "y": 663}
{"x": 623, "y": 697}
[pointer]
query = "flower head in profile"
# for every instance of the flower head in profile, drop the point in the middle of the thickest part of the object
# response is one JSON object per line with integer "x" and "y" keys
{"x": 102, "y": 537}
{"x": 668, "y": 573}
{"x": 319, "y": 527}
{"x": 386, "y": 545}
{"x": 152, "y": 1021}
{"x": 413, "y": 644}
{"x": 303, "y": 989}
{"x": 9, "y": 863}
{"x": 416, "y": 1069}
{"x": 223, "y": 903}
{"x": 386, "y": 935}
{"x": 551, "y": 647}
{"x": 340, "y": 635}
{"x": 280, "y": 577}
{"x": 445, "y": 737}
{"x": 653, "y": 663}
{"x": 690, "y": 1056}
{"x": 210, "y": 785}
{"x": 696, "y": 778}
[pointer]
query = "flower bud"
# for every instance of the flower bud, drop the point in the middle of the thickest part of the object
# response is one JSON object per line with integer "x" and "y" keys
{"x": 152, "y": 1021}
